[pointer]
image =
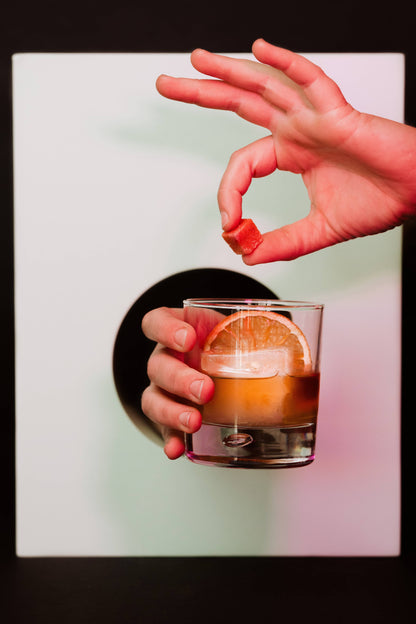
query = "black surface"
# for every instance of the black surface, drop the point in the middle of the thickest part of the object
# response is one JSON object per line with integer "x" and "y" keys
{"x": 199, "y": 590}
{"x": 151, "y": 589}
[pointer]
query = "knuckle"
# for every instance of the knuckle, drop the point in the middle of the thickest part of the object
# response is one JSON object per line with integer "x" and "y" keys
{"x": 177, "y": 382}
{"x": 146, "y": 320}
{"x": 146, "y": 400}
{"x": 155, "y": 406}
{"x": 237, "y": 155}
{"x": 149, "y": 320}
{"x": 151, "y": 367}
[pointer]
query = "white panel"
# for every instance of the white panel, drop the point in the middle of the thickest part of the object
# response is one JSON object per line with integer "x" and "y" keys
{"x": 115, "y": 188}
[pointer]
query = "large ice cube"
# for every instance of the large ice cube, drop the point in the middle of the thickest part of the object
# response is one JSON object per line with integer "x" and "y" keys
{"x": 252, "y": 364}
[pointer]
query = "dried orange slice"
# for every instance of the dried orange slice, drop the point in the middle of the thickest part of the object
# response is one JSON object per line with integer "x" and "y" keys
{"x": 256, "y": 343}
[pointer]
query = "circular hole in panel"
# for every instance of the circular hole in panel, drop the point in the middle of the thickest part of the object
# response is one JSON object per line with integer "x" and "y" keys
{"x": 132, "y": 349}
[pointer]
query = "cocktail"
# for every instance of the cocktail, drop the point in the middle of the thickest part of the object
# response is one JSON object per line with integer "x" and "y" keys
{"x": 263, "y": 356}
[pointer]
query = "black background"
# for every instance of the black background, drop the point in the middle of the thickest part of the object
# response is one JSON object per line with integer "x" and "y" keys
{"x": 201, "y": 589}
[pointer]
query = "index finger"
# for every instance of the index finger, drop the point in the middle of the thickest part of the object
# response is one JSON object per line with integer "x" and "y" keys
{"x": 167, "y": 326}
{"x": 255, "y": 160}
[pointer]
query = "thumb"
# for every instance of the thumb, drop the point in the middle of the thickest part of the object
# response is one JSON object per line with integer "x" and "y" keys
{"x": 294, "y": 240}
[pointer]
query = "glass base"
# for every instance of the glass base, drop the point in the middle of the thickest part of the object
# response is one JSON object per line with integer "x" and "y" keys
{"x": 260, "y": 447}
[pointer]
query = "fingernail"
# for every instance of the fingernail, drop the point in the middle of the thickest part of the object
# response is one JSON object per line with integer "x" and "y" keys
{"x": 184, "y": 418}
{"x": 224, "y": 218}
{"x": 196, "y": 388}
{"x": 180, "y": 337}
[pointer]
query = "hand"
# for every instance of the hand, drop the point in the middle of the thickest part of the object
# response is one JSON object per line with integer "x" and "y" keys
{"x": 169, "y": 401}
{"x": 359, "y": 169}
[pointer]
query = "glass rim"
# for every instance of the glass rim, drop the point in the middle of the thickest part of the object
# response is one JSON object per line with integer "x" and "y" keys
{"x": 249, "y": 304}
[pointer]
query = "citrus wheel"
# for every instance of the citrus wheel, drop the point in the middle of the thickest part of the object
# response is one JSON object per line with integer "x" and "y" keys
{"x": 259, "y": 342}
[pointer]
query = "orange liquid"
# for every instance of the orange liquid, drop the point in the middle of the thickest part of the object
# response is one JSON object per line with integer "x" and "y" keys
{"x": 279, "y": 401}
